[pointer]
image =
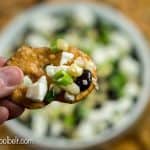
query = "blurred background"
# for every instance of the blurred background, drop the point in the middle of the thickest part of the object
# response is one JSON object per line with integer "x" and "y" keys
{"x": 139, "y": 12}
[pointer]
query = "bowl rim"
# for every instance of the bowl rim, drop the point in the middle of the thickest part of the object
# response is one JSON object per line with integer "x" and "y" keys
{"x": 111, "y": 14}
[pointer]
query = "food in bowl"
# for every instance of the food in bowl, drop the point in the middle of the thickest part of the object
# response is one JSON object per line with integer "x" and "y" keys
{"x": 62, "y": 73}
{"x": 118, "y": 69}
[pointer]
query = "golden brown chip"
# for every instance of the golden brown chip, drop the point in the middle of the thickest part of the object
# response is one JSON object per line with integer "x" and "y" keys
{"x": 32, "y": 62}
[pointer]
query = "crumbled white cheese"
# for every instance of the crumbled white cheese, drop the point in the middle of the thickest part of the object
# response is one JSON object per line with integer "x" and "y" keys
{"x": 51, "y": 70}
{"x": 124, "y": 104}
{"x": 129, "y": 67}
{"x": 37, "y": 90}
{"x": 131, "y": 89}
{"x": 66, "y": 57}
{"x": 27, "y": 81}
{"x": 83, "y": 16}
{"x": 56, "y": 128}
{"x": 103, "y": 54}
{"x": 69, "y": 96}
{"x": 100, "y": 55}
{"x": 48, "y": 24}
{"x": 120, "y": 40}
{"x": 72, "y": 88}
{"x": 36, "y": 40}
{"x": 39, "y": 124}
{"x": 113, "y": 52}
{"x": 74, "y": 70}
{"x": 85, "y": 130}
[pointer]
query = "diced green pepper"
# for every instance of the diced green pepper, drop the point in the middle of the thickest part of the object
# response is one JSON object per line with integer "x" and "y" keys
{"x": 62, "y": 78}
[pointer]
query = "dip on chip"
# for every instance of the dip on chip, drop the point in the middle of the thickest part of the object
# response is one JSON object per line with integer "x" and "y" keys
{"x": 60, "y": 73}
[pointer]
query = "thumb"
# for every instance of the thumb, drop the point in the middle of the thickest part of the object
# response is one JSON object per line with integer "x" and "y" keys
{"x": 10, "y": 77}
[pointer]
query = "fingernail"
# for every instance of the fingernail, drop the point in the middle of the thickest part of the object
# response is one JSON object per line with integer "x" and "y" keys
{"x": 11, "y": 75}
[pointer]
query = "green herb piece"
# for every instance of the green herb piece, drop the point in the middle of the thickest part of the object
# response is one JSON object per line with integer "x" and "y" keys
{"x": 53, "y": 46}
{"x": 117, "y": 82}
{"x": 80, "y": 112}
{"x": 62, "y": 78}
{"x": 50, "y": 96}
{"x": 104, "y": 32}
{"x": 69, "y": 121}
{"x": 104, "y": 37}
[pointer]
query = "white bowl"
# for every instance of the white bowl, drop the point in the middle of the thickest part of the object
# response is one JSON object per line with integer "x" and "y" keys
{"x": 12, "y": 34}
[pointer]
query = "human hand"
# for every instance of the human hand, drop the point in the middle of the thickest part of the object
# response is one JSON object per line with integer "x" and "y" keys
{"x": 10, "y": 77}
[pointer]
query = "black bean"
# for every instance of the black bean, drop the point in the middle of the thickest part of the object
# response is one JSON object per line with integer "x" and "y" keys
{"x": 84, "y": 81}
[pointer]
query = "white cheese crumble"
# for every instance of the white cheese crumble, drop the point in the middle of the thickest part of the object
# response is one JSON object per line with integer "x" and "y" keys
{"x": 129, "y": 67}
{"x": 56, "y": 128}
{"x": 27, "y": 81}
{"x": 120, "y": 40}
{"x": 131, "y": 89}
{"x": 85, "y": 130}
{"x": 100, "y": 55}
{"x": 103, "y": 54}
{"x": 124, "y": 104}
{"x": 51, "y": 70}
{"x": 74, "y": 70}
{"x": 72, "y": 88}
{"x": 36, "y": 40}
{"x": 38, "y": 90}
{"x": 69, "y": 96}
{"x": 83, "y": 16}
{"x": 113, "y": 52}
{"x": 39, "y": 124}
{"x": 47, "y": 24}
{"x": 66, "y": 57}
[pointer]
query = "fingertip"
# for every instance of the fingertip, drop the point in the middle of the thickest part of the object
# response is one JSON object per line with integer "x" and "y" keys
{"x": 14, "y": 109}
{"x": 19, "y": 73}
{"x": 11, "y": 75}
